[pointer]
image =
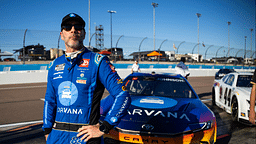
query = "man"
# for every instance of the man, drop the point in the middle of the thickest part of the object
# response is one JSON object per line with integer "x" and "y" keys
{"x": 181, "y": 68}
{"x": 135, "y": 67}
{"x": 76, "y": 82}
{"x": 252, "y": 99}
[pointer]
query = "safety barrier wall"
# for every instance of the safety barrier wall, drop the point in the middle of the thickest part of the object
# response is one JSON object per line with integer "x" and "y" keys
{"x": 29, "y": 67}
{"x": 36, "y": 76}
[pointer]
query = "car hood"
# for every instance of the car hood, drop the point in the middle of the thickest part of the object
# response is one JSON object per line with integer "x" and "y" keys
{"x": 165, "y": 115}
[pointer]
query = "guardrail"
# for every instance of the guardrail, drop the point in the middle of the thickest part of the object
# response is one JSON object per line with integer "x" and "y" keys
{"x": 31, "y": 67}
{"x": 12, "y": 74}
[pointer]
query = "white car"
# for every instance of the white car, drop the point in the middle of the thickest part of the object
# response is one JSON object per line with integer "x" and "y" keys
{"x": 232, "y": 93}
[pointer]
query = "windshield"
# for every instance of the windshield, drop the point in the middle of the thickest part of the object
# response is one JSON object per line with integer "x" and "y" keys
{"x": 159, "y": 86}
{"x": 244, "y": 81}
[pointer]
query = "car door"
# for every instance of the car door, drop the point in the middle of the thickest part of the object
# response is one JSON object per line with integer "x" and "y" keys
{"x": 227, "y": 89}
{"x": 222, "y": 89}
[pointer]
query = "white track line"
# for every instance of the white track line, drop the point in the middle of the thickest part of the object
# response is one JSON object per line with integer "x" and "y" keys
{"x": 206, "y": 100}
{"x": 22, "y": 123}
{"x": 22, "y": 87}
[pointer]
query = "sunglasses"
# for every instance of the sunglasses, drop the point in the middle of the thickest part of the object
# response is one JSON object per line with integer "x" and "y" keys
{"x": 68, "y": 27}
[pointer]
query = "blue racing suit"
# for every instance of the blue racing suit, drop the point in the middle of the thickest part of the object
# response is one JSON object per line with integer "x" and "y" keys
{"x": 73, "y": 95}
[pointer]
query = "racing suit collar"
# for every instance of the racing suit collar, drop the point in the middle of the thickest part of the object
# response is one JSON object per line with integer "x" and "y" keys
{"x": 73, "y": 55}
{"x": 78, "y": 58}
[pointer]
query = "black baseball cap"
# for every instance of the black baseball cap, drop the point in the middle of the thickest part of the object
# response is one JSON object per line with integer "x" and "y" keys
{"x": 72, "y": 17}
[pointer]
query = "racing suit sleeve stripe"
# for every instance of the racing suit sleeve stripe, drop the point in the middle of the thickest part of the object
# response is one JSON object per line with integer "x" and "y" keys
{"x": 45, "y": 111}
{"x": 115, "y": 102}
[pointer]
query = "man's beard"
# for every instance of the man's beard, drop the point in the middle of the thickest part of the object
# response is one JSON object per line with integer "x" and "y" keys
{"x": 77, "y": 42}
{"x": 75, "y": 45}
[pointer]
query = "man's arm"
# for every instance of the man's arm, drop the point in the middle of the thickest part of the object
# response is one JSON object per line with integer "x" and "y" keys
{"x": 252, "y": 99}
{"x": 121, "y": 98}
{"x": 118, "y": 104}
{"x": 252, "y": 105}
{"x": 49, "y": 107}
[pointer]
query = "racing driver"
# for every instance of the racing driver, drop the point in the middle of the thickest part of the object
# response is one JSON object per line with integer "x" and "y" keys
{"x": 76, "y": 82}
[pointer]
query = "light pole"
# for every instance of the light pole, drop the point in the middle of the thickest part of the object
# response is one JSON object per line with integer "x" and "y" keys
{"x": 24, "y": 46}
{"x": 245, "y": 46}
{"x": 198, "y": 16}
{"x": 251, "y": 38}
{"x": 154, "y": 25}
{"x": 110, "y": 11}
{"x": 229, "y": 23}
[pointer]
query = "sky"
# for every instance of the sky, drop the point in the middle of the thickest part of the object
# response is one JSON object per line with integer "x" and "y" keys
{"x": 175, "y": 20}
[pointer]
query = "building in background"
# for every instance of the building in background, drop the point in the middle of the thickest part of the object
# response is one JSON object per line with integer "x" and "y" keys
{"x": 38, "y": 52}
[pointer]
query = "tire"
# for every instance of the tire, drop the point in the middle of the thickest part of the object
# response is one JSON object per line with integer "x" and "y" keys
{"x": 213, "y": 97}
{"x": 234, "y": 109}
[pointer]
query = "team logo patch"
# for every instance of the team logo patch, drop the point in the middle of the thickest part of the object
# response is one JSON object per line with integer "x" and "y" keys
{"x": 113, "y": 119}
{"x": 84, "y": 63}
{"x": 59, "y": 67}
{"x": 68, "y": 93}
{"x": 81, "y": 79}
{"x": 98, "y": 57}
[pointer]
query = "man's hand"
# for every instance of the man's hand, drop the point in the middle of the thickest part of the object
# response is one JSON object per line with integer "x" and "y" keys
{"x": 46, "y": 136}
{"x": 90, "y": 131}
{"x": 252, "y": 116}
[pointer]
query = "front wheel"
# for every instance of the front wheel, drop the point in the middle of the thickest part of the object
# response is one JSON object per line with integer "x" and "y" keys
{"x": 234, "y": 110}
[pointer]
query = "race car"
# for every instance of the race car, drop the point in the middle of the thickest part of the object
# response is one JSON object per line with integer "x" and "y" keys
{"x": 232, "y": 93}
{"x": 164, "y": 109}
{"x": 222, "y": 72}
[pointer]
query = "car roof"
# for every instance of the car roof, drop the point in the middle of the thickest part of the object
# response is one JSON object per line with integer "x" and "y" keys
{"x": 241, "y": 73}
{"x": 174, "y": 75}
{"x": 226, "y": 70}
